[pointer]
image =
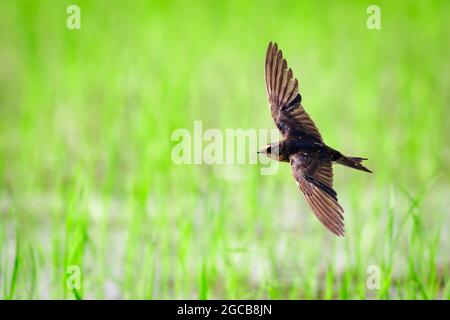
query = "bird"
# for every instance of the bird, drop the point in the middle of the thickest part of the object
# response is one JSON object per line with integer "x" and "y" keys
{"x": 302, "y": 145}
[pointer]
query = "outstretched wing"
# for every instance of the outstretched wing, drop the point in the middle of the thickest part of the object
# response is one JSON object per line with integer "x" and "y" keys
{"x": 284, "y": 98}
{"x": 315, "y": 179}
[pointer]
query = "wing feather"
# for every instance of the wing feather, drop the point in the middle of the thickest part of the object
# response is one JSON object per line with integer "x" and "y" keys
{"x": 284, "y": 99}
{"x": 315, "y": 180}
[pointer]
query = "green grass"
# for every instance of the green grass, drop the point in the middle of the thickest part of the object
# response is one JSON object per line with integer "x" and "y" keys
{"x": 86, "y": 177}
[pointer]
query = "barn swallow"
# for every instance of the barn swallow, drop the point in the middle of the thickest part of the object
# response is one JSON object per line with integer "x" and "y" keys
{"x": 302, "y": 145}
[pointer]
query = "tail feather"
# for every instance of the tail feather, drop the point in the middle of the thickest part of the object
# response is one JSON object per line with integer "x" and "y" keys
{"x": 353, "y": 162}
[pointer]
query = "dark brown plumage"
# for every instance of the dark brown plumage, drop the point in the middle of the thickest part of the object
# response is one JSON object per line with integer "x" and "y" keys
{"x": 302, "y": 145}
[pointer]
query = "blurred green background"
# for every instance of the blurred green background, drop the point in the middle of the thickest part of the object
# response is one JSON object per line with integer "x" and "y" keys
{"x": 87, "y": 180}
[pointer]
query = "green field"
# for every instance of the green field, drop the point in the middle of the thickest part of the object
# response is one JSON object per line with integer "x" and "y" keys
{"x": 86, "y": 175}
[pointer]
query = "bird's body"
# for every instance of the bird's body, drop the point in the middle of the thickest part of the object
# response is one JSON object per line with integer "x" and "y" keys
{"x": 302, "y": 145}
{"x": 284, "y": 149}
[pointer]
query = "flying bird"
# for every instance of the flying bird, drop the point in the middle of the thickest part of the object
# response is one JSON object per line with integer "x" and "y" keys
{"x": 302, "y": 145}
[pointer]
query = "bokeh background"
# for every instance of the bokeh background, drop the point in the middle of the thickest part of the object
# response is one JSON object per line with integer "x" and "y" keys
{"x": 87, "y": 180}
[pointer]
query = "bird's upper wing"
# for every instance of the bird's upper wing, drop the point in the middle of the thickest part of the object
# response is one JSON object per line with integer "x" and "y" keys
{"x": 284, "y": 98}
{"x": 315, "y": 179}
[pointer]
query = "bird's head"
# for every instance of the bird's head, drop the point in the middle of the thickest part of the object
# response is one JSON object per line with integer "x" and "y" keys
{"x": 271, "y": 150}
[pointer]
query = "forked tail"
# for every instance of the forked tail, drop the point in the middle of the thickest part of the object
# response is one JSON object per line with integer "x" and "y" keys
{"x": 353, "y": 162}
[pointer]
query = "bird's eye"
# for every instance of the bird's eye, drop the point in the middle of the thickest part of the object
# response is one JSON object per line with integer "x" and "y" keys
{"x": 269, "y": 149}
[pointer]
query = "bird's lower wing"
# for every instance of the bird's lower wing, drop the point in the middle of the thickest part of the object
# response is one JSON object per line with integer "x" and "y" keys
{"x": 314, "y": 178}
